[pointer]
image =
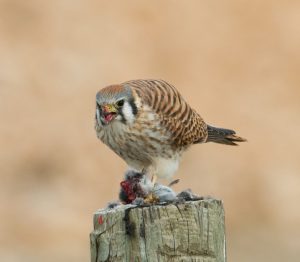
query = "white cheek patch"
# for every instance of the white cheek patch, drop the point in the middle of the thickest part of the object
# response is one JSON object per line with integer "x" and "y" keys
{"x": 127, "y": 112}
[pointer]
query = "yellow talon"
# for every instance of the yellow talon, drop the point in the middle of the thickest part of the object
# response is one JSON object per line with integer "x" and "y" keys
{"x": 151, "y": 199}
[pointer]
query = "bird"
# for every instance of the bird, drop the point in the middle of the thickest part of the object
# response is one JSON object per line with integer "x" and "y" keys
{"x": 148, "y": 123}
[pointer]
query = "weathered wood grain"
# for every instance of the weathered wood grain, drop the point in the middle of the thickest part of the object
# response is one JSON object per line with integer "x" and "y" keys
{"x": 190, "y": 231}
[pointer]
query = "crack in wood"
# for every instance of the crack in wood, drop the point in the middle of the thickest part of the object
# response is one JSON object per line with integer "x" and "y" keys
{"x": 190, "y": 231}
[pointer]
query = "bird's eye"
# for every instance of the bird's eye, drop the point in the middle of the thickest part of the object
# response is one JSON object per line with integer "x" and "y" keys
{"x": 120, "y": 103}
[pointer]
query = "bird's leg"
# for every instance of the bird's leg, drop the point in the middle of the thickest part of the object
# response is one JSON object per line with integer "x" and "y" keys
{"x": 153, "y": 179}
{"x": 150, "y": 172}
{"x": 151, "y": 198}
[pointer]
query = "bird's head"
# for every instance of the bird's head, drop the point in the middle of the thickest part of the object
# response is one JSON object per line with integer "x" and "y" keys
{"x": 115, "y": 103}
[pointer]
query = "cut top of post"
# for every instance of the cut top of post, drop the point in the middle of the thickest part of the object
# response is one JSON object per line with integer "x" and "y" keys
{"x": 189, "y": 231}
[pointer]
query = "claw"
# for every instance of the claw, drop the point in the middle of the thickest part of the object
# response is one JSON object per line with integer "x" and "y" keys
{"x": 151, "y": 199}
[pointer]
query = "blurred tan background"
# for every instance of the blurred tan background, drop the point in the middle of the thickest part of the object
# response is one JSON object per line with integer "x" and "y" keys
{"x": 236, "y": 62}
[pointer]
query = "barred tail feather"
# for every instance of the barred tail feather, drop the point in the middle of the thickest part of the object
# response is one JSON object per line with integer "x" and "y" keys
{"x": 223, "y": 136}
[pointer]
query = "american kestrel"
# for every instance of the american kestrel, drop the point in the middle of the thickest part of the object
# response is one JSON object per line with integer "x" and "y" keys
{"x": 149, "y": 124}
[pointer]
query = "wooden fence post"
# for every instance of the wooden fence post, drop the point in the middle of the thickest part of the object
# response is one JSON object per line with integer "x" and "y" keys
{"x": 189, "y": 231}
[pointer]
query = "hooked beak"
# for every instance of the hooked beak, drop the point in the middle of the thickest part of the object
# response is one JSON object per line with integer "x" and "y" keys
{"x": 109, "y": 112}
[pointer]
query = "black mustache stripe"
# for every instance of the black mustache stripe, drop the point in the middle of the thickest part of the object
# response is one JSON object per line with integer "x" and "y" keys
{"x": 99, "y": 115}
{"x": 133, "y": 106}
